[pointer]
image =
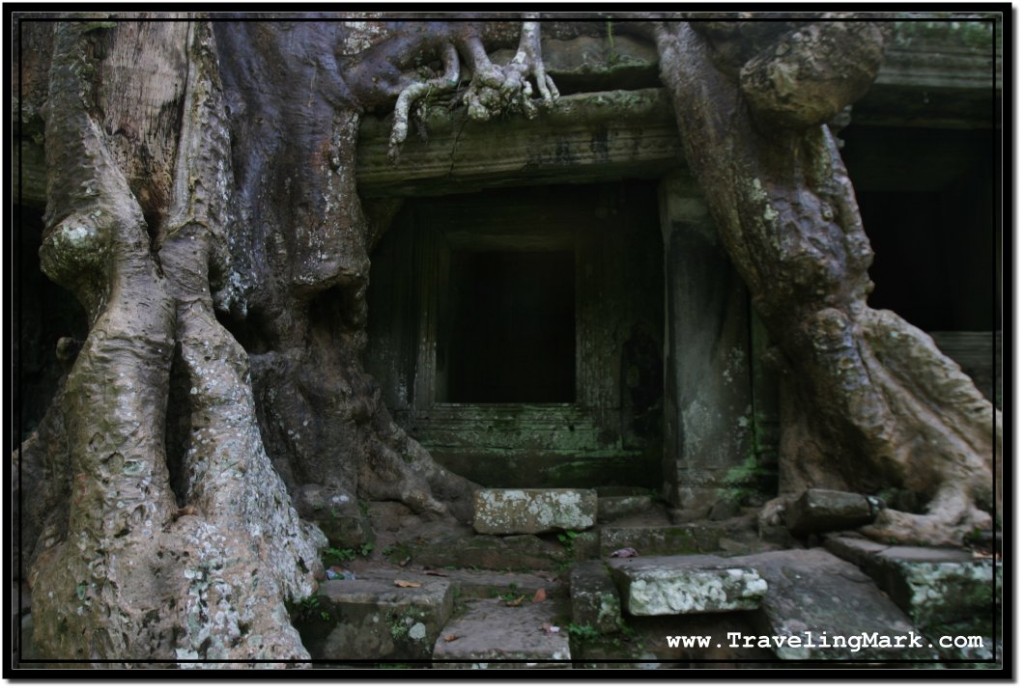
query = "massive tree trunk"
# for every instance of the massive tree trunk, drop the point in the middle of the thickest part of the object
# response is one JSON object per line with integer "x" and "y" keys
{"x": 179, "y": 185}
{"x": 202, "y": 207}
{"x": 869, "y": 401}
{"x": 125, "y": 568}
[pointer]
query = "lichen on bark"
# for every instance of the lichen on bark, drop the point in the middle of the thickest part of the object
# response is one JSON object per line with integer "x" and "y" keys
{"x": 869, "y": 401}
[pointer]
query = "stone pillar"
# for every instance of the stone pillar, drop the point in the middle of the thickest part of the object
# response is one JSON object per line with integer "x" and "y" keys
{"x": 708, "y": 406}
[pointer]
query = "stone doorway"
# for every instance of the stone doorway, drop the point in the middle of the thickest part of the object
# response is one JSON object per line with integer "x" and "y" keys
{"x": 517, "y": 333}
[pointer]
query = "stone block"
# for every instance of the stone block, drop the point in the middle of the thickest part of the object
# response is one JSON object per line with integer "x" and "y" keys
{"x": 686, "y": 585}
{"x": 595, "y": 599}
{"x": 532, "y": 511}
{"x": 932, "y": 585}
{"x": 820, "y": 607}
{"x": 826, "y": 510}
{"x": 373, "y": 618}
{"x": 489, "y": 635}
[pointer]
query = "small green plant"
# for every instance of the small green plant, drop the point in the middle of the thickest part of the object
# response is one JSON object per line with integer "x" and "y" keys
{"x": 398, "y": 630}
{"x": 334, "y": 555}
{"x": 568, "y": 540}
{"x": 310, "y": 608}
{"x": 582, "y": 632}
{"x": 511, "y": 593}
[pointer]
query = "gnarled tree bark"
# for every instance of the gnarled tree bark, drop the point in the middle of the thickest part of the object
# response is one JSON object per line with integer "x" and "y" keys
{"x": 871, "y": 401}
{"x": 218, "y": 185}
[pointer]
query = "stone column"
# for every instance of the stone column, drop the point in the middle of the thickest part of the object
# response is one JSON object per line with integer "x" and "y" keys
{"x": 708, "y": 406}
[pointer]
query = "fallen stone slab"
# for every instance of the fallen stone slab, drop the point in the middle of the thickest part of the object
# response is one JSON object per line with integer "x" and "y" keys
{"x": 826, "y": 510}
{"x": 533, "y": 511}
{"x": 595, "y": 599}
{"x": 686, "y": 585}
{"x": 387, "y": 616}
{"x": 820, "y": 607}
{"x": 933, "y": 585}
{"x": 491, "y": 635}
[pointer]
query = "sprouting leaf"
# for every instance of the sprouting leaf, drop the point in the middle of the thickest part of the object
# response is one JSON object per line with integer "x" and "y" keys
{"x": 515, "y": 603}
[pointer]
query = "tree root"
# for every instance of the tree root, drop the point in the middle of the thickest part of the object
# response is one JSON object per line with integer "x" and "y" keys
{"x": 951, "y": 518}
{"x": 493, "y": 89}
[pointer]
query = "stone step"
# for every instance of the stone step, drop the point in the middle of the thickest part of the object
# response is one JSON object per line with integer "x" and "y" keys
{"x": 610, "y": 508}
{"x": 388, "y": 615}
{"x": 939, "y": 588}
{"x": 813, "y": 597}
{"x": 491, "y": 635}
{"x": 795, "y": 605}
{"x": 595, "y": 597}
{"x": 657, "y": 586}
{"x": 533, "y": 511}
{"x": 492, "y": 552}
{"x": 689, "y": 538}
{"x": 472, "y": 583}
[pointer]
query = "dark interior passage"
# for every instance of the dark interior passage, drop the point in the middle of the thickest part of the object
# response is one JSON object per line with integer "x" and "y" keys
{"x": 513, "y": 336}
{"x": 928, "y": 204}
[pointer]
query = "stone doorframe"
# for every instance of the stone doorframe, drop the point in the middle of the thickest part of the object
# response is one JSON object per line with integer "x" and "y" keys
{"x": 720, "y": 405}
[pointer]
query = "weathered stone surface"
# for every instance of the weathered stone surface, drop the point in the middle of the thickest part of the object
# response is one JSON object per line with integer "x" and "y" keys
{"x": 675, "y": 539}
{"x": 336, "y": 513}
{"x": 595, "y": 599}
{"x": 475, "y": 583}
{"x": 686, "y": 585}
{"x": 707, "y": 363}
{"x": 516, "y": 552}
{"x": 532, "y": 511}
{"x": 559, "y": 144}
{"x": 611, "y": 508}
{"x": 813, "y": 596}
{"x": 374, "y": 618}
{"x": 933, "y": 585}
{"x": 490, "y": 635}
{"x": 825, "y": 510}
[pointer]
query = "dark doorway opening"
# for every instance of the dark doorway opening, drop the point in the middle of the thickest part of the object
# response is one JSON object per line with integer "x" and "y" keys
{"x": 512, "y": 334}
{"x": 927, "y": 198}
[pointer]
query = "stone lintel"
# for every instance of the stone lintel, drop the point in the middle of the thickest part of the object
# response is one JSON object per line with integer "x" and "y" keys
{"x": 586, "y": 137}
